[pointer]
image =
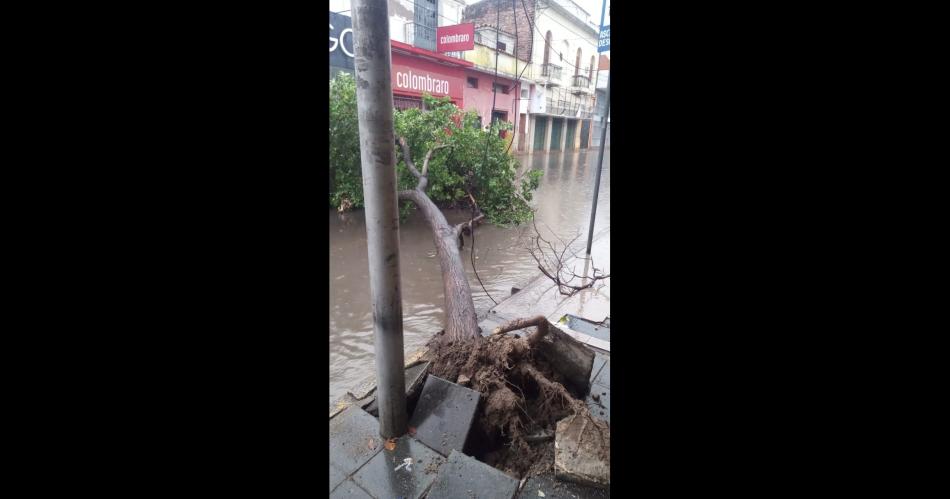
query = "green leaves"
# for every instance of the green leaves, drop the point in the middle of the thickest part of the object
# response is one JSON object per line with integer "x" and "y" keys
{"x": 474, "y": 160}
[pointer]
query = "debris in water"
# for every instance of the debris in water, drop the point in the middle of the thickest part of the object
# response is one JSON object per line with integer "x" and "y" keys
{"x": 541, "y": 494}
{"x": 371, "y": 444}
{"x": 390, "y": 444}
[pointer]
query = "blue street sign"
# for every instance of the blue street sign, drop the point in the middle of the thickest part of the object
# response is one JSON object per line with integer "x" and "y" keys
{"x": 603, "y": 45}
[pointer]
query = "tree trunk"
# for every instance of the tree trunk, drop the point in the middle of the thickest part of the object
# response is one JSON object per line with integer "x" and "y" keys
{"x": 460, "y": 320}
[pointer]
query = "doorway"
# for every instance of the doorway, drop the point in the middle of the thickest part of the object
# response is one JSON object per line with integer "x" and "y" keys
{"x": 539, "y": 129}
{"x": 557, "y": 125}
{"x": 571, "y": 131}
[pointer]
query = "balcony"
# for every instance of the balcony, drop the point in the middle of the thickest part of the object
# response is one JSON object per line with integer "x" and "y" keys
{"x": 580, "y": 81}
{"x": 551, "y": 72}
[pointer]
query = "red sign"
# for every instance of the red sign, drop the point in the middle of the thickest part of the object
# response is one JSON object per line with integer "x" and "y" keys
{"x": 455, "y": 38}
{"x": 415, "y": 76}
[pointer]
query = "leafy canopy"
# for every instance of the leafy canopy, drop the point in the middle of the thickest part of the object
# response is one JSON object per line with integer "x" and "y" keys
{"x": 475, "y": 160}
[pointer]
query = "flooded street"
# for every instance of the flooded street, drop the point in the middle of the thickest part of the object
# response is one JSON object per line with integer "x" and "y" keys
{"x": 563, "y": 203}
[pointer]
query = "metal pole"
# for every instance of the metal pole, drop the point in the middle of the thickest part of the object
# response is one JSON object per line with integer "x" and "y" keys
{"x": 374, "y": 99}
{"x": 600, "y": 165}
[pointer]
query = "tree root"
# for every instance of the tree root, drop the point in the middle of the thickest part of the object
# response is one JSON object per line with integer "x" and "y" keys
{"x": 522, "y": 397}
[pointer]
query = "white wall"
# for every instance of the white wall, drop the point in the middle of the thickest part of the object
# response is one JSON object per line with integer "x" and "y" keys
{"x": 567, "y": 35}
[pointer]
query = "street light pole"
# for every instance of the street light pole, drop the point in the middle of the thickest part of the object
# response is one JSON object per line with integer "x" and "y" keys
{"x": 377, "y": 157}
{"x": 600, "y": 165}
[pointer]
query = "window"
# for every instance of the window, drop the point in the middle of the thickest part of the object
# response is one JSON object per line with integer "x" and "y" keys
{"x": 500, "y": 88}
{"x": 577, "y": 64}
{"x": 590, "y": 75}
{"x": 472, "y": 82}
{"x": 502, "y": 47}
{"x": 524, "y": 93}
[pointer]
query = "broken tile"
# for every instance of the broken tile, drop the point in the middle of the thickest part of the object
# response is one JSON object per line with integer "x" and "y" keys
{"x": 444, "y": 415}
{"x": 582, "y": 451}
{"x": 553, "y": 488}
{"x": 571, "y": 358}
{"x": 386, "y": 476}
{"x": 464, "y": 477}
{"x": 350, "y": 434}
{"x": 349, "y": 490}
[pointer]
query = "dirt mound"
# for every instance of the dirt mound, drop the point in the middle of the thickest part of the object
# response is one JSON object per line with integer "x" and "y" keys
{"x": 523, "y": 398}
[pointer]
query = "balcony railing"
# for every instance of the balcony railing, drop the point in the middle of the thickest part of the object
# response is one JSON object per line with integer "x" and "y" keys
{"x": 551, "y": 71}
{"x": 580, "y": 81}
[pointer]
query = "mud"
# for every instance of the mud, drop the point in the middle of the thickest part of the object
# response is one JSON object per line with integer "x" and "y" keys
{"x": 523, "y": 398}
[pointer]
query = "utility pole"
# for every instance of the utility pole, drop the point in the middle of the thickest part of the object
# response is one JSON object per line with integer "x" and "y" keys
{"x": 603, "y": 140}
{"x": 374, "y": 103}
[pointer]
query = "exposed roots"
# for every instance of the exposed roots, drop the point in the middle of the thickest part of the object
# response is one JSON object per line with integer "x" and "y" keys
{"x": 523, "y": 398}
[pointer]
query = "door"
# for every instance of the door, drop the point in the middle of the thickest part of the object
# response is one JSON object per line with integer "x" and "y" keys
{"x": 571, "y": 131}
{"x": 557, "y": 126}
{"x": 585, "y": 133}
{"x": 539, "y": 129}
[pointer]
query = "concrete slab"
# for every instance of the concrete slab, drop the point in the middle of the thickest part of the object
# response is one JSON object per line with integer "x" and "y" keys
{"x": 599, "y": 361}
{"x": 350, "y": 490}
{"x": 604, "y": 376}
{"x": 444, "y": 415}
{"x": 354, "y": 439}
{"x": 553, "y": 488}
{"x": 598, "y": 401}
{"x": 464, "y": 477}
{"x": 582, "y": 451}
{"x": 570, "y": 357}
{"x": 384, "y": 478}
{"x": 336, "y": 477}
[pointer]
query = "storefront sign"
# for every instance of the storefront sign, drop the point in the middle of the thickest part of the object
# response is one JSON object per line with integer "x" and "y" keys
{"x": 457, "y": 38}
{"x": 415, "y": 76}
{"x": 341, "y": 41}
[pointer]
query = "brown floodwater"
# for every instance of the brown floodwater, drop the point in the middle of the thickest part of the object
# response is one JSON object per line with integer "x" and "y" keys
{"x": 562, "y": 203}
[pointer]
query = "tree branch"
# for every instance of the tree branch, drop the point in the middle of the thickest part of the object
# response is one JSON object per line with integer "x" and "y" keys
{"x": 408, "y": 157}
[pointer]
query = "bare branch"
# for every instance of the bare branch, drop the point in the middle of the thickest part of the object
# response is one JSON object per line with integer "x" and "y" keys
{"x": 538, "y": 321}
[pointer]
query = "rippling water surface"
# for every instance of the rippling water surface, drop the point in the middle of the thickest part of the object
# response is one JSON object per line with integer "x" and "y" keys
{"x": 563, "y": 203}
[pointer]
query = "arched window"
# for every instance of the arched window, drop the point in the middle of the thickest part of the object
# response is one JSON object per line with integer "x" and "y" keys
{"x": 547, "y": 48}
{"x": 577, "y": 64}
{"x": 590, "y": 76}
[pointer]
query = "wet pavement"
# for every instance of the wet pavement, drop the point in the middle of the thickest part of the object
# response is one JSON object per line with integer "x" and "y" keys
{"x": 563, "y": 203}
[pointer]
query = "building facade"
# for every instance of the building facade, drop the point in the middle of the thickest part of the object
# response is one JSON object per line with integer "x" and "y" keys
{"x": 556, "y": 100}
{"x": 467, "y": 78}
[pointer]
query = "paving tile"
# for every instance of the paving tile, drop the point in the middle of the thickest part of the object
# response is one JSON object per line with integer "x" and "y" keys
{"x": 348, "y": 489}
{"x": 464, "y": 477}
{"x": 444, "y": 415}
{"x": 382, "y": 480}
{"x": 415, "y": 376}
{"x": 350, "y": 434}
{"x": 336, "y": 477}
{"x": 599, "y": 361}
{"x": 552, "y": 488}
{"x": 604, "y": 376}
{"x": 600, "y": 408}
